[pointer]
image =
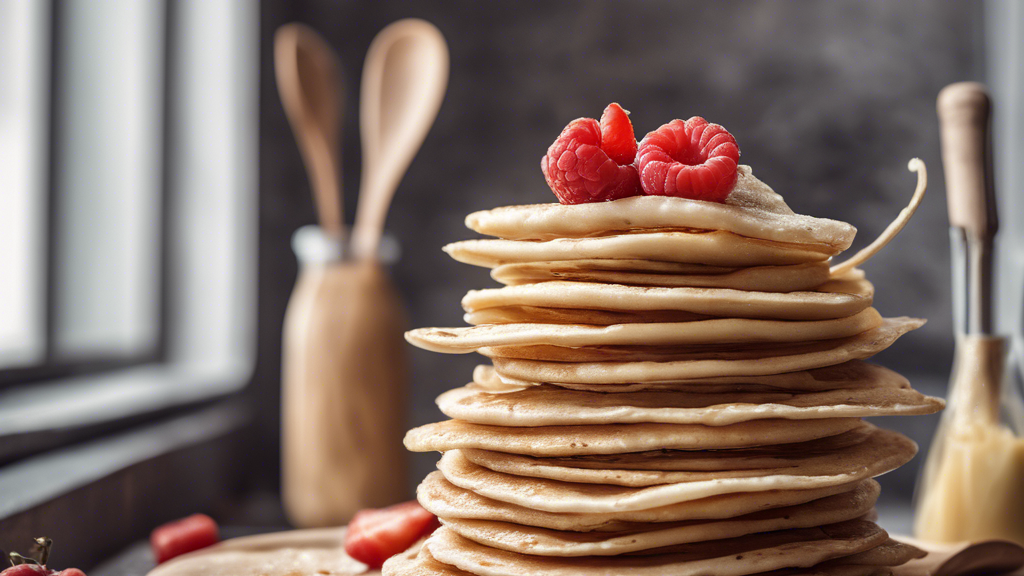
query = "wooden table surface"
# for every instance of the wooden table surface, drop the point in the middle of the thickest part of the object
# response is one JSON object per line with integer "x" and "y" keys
{"x": 137, "y": 560}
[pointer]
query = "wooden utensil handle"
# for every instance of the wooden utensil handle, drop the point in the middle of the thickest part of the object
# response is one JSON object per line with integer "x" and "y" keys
{"x": 964, "y": 118}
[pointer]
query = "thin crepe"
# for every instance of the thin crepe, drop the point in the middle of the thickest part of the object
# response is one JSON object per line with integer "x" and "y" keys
{"x": 311, "y": 551}
{"x": 880, "y": 452}
{"x": 752, "y": 209}
{"x": 548, "y": 405}
{"x": 701, "y": 332}
{"x": 798, "y": 277}
{"x": 855, "y": 374}
{"x": 835, "y": 299}
{"x": 446, "y": 500}
{"x": 618, "y": 438}
{"x": 559, "y": 496}
{"x": 506, "y": 535}
{"x": 712, "y": 248}
{"x": 761, "y": 460}
{"x": 706, "y": 365}
{"x": 733, "y": 557}
{"x": 542, "y": 315}
{"x": 417, "y": 561}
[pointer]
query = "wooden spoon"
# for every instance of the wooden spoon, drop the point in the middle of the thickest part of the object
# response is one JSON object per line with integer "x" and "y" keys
{"x": 963, "y": 558}
{"x": 404, "y": 81}
{"x": 310, "y": 88}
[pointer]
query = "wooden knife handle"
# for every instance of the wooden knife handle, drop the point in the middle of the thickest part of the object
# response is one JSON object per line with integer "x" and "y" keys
{"x": 965, "y": 113}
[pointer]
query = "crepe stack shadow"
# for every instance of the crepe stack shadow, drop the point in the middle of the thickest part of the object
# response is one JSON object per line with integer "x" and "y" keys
{"x": 674, "y": 387}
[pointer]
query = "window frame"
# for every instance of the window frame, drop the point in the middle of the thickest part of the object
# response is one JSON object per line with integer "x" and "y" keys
{"x": 51, "y": 367}
{"x": 206, "y": 349}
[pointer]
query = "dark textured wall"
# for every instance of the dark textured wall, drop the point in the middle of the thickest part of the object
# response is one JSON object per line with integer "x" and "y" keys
{"x": 828, "y": 101}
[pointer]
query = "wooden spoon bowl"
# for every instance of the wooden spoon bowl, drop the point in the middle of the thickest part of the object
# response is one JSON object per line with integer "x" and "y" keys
{"x": 404, "y": 81}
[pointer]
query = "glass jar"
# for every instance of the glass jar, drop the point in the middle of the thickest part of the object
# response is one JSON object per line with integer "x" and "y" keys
{"x": 972, "y": 487}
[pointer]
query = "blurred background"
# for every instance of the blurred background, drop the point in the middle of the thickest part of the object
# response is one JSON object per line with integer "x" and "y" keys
{"x": 150, "y": 185}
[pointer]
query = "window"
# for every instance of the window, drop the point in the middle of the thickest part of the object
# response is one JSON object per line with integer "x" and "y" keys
{"x": 1004, "y": 21}
{"x": 24, "y": 47}
{"x": 128, "y": 149}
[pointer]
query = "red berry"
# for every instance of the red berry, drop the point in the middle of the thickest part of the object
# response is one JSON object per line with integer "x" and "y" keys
{"x": 26, "y": 570}
{"x": 183, "y": 536}
{"x": 692, "y": 159}
{"x": 376, "y": 535}
{"x": 592, "y": 161}
{"x": 37, "y": 570}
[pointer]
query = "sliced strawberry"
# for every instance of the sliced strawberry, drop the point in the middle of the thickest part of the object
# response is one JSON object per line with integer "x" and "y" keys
{"x": 376, "y": 535}
{"x": 183, "y": 536}
{"x": 592, "y": 161}
{"x": 692, "y": 159}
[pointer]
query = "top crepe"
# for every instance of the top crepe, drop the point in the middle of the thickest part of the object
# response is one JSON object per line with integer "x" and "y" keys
{"x": 752, "y": 209}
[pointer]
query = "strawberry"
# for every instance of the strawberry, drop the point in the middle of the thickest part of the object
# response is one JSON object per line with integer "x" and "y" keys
{"x": 592, "y": 161}
{"x": 183, "y": 536}
{"x": 377, "y": 534}
{"x": 692, "y": 159}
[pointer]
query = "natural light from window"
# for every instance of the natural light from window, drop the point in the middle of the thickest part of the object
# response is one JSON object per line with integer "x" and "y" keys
{"x": 24, "y": 105}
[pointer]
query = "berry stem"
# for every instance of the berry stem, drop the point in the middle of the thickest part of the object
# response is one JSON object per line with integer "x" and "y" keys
{"x": 39, "y": 557}
{"x": 43, "y": 545}
{"x": 17, "y": 559}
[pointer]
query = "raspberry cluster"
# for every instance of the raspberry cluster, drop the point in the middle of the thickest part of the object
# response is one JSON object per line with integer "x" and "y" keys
{"x": 593, "y": 161}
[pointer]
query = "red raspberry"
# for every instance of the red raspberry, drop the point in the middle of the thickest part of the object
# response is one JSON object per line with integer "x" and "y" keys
{"x": 691, "y": 159}
{"x": 37, "y": 570}
{"x": 592, "y": 161}
{"x": 26, "y": 570}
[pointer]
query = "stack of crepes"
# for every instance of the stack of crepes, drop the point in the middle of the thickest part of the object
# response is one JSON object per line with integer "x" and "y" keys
{"x": 676, "y": 387}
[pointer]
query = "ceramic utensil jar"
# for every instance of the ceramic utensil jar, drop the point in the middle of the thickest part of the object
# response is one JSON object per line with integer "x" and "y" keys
{"x": 344, "y": 386}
